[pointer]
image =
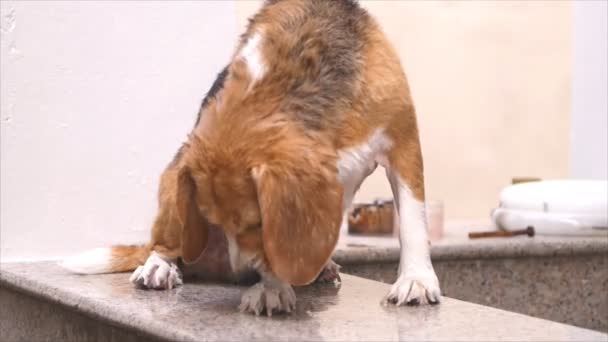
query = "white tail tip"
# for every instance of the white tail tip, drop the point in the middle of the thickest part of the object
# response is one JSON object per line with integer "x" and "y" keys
{"x": 90, "y": 262}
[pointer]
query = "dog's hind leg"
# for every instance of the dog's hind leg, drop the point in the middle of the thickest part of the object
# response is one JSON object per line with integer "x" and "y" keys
{"x": 416, "y": 282}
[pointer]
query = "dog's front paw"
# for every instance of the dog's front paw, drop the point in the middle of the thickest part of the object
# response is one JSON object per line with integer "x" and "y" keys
{"x": 157, "y": 273}
{"x": 415, "y": 288}
{"x": 264, "y": 297}
{"x": 330, "y": 274}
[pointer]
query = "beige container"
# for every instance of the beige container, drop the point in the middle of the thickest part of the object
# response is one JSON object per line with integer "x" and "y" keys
{"x": 378, "y": 218}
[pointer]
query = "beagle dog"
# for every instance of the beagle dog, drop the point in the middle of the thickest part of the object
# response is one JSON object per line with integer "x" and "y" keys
{"x": 313, "y": 100}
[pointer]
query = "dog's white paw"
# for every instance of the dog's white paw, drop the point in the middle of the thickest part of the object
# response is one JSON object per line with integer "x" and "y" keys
{"x": 157, "y": 273}
{"x": 263, "y": 297}
{"x": 415, "y": 288}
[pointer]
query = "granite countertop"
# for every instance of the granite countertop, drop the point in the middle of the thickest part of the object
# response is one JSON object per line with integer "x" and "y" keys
{"x": 456, "y": 245}
{"x": 203, "y": 311}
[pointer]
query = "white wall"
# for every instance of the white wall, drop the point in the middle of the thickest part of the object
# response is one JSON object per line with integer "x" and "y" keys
{"x": 589, "y": 130}
{"x": 96, "y": 96}
{"x": 491, "y": 83}
{"x": 95, "y": 99}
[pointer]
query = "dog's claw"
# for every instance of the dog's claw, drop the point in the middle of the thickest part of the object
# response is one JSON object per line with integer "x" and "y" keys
{"x": 263, "y": 297}
{"x": 156, "y": 273}
{"x": 414, "y": 291}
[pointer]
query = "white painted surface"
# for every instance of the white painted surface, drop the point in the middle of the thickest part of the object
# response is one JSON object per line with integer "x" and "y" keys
{"x": 93, "y": 261}
{"x": 589, "y": 130}
{"x": 95, "y": 99}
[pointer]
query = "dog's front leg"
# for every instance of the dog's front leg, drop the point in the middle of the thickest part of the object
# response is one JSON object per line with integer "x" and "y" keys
{"x": 417, "y": 282}
{"x": 160, "y": 270}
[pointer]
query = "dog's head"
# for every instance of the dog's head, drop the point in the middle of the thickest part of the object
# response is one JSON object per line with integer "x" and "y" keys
{"x": 277, "y": 193}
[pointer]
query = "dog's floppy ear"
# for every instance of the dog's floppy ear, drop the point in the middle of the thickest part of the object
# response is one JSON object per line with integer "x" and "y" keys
{"x": 301, "y": 215}
{"x": 194, "y": 226}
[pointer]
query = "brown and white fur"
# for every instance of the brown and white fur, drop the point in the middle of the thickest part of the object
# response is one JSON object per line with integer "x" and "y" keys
{"x": 313, "y": 100}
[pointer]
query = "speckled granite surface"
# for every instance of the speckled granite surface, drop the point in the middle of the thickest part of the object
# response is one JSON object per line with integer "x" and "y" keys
{"x": 457, "y": 246}
{"x": 564, "y": 279}
{"x": 28, "y": 319}
{"x": 571, "y": 290}
{"x": 201, "y": 311}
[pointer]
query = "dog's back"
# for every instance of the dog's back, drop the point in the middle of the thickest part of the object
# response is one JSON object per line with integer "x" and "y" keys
{"x": 313, "y": 54}
{"x": 328, "y": 66}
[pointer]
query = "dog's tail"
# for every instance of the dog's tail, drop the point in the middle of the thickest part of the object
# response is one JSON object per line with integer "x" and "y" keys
{"x": 107, "y": 260}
